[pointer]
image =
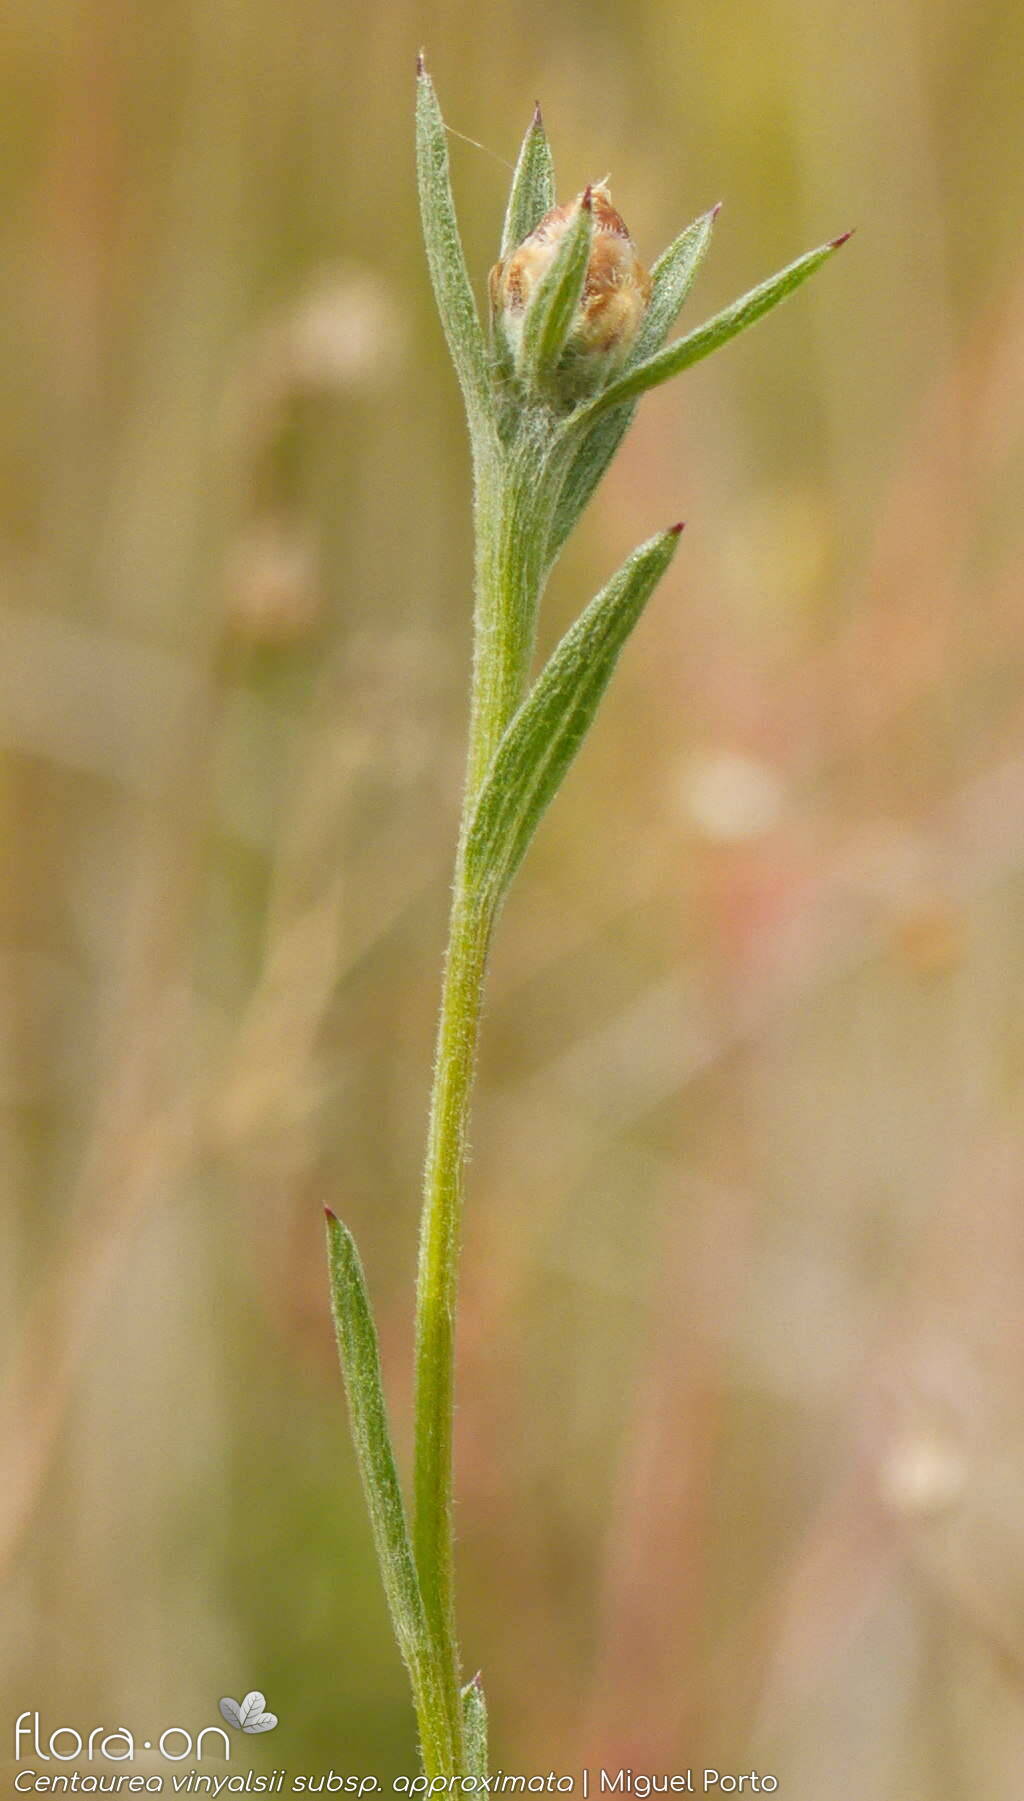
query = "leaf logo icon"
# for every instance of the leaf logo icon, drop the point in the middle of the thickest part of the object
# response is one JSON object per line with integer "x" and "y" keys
{"x": 249, "y": 1715}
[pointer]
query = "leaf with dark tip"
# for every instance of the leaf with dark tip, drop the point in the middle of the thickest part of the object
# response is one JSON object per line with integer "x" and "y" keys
{"x": 359, "y": 1353}
{"x": 707, "y": 338}
{"x": 672, "y": 277}
{"x": 533, "y": 187}
{"x": 452, "y": 288}
{"x": 543, "y": 737}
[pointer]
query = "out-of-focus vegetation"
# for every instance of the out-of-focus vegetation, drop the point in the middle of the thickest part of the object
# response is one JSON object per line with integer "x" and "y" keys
{"x": 748, "y": 1163}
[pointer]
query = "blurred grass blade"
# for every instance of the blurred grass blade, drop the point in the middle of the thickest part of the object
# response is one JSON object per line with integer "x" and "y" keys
{"x": 533, "y": 187}
{"x": 452, "y": 288}
{"x": 707, "y": 338}
{"x": 474, "y": 1728}
{"x": 552, "y": 308}
{"x": 547, "y": 731}
{"x": 360, "y": 1367}
{"x": 672, "y": 277}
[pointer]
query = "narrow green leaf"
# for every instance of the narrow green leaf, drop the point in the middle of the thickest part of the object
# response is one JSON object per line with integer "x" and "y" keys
{"x": 360, "y": 1367}
{"x": 533, "y": 187}
{"x": 671, "y": 280}
{"x": 552, "y": 307}
{"x": 543, "y": 737}
{"x": 474, "y": 1729}
{"x": 595, "y": 450}
{"x": 672, "y": 277}
{"x": 452, "y": 288}
{"x": 707, "y": 338}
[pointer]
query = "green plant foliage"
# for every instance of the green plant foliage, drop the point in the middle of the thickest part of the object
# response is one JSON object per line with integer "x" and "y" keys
{"x": 707, "y": 338}
{"x": 359, "y": 1354}
{"x": 546, "y": 733}
{"x": 447, "y": 263}
{"x": 533, "y": 187}
{"x": 539, "y": 452}
{"x": 474, "y": 1727}
{"x": 553, "y": 306}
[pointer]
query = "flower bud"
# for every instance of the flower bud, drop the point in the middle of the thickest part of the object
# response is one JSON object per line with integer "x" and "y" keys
{"x": 615, "y": 293}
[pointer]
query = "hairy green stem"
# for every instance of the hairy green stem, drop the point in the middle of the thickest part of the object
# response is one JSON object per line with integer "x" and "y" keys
{"x": 438, "y": 1272}
{"x": 515, "y": 492}
{"x": 514, "y": 502}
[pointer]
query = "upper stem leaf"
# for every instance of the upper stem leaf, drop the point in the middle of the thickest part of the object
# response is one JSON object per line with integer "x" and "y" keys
{"x": 452, "y": 288}
{"x": 588, "y": 463}
{"x": 543, "y": 737}
{"x": 533, "y": 187}
{"x": 552, "y": 306}
{"x": 672, "y": 277}
{"x": 707, "y": 338}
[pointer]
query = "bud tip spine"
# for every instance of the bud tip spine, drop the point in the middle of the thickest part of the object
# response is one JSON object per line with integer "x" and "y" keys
{"x": 837, "y": 243}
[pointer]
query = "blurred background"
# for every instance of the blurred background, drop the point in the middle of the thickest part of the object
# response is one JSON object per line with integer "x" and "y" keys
{"x": 741, "y": 1425}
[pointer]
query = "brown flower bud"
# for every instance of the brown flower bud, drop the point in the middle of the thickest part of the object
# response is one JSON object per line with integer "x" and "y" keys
{"x": 615, "y": 293}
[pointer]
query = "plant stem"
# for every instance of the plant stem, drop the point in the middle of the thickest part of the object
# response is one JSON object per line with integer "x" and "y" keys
{"x": 438, "y": 1277}
{"x": 514, "y": 501}
{"x": 512, "y": 515}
